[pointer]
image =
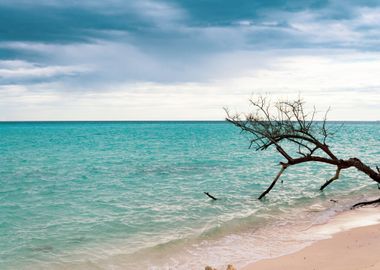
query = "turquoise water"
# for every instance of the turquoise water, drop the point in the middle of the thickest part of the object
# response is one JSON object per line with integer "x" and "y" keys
{"x": 129, "y": 195}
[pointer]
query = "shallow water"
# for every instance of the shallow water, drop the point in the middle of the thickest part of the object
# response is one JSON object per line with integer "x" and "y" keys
{"x": 129, "y": 195}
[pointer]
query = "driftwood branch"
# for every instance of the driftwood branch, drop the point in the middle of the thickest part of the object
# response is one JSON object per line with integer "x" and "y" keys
{"x": 283, "y": 168}
{"x": 335, "y": 177}
{"x": 209, "y": 195}
{"x": 274, "y": 124}
{"x": 360, "y": 204}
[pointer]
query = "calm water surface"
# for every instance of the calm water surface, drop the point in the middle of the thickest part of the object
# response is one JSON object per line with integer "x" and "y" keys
{"x": 129, "y": 195}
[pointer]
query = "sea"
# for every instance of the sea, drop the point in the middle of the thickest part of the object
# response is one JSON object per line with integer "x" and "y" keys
{"x": 130, "y": 195}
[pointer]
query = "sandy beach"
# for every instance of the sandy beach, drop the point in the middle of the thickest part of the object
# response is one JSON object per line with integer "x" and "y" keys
{"x": 354, "y": 244}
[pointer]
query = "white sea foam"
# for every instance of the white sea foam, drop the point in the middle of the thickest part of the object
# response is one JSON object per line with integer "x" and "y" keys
{"x": 239, "y": 241}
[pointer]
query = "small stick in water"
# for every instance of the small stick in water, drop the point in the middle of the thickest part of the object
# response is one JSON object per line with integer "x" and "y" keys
{"x": 212, "y": 197}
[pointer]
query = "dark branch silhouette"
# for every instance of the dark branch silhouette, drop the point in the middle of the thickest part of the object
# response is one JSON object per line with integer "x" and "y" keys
{"x": 286, "y": 123}
{"x": 377, "y": 201}
{"x": 209, "y": 195}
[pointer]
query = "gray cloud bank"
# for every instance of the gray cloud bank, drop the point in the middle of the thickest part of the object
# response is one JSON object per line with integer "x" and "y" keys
{"x": 99, "y": 46}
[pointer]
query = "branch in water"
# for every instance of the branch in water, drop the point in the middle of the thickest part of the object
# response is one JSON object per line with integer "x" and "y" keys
{"x": 335, "y": 177}
{"x": 209, "y": 195}
{"x": 295, "y": 135}
{"x": 377, "y": 201}
{"x": 283, "y": 168}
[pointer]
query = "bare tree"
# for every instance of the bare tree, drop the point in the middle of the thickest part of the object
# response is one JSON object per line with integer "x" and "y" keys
{"x": 297, "y": 137}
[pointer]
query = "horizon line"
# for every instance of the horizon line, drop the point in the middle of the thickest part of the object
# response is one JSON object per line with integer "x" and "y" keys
{"x": 81, "y": 121}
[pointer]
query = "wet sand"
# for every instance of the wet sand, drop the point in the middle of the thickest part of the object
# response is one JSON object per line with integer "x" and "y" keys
{"x": 354, "y": 243}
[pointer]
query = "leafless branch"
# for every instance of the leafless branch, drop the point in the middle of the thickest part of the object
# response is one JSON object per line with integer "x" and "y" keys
{"x": 283, "y": 168}
{"x": 335, "y": 177}
{"x": 274, "y": 124}
{"x": 210, "y": 196}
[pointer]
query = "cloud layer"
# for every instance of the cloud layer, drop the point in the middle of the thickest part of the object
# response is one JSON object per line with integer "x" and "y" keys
{"x": 146, "y": 59}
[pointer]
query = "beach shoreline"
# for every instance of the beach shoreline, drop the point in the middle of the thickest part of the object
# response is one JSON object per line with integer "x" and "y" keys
{"x": 349, "y": 241}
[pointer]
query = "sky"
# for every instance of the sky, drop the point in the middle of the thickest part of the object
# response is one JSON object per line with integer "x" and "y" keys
{"x": 186, "y": 59}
